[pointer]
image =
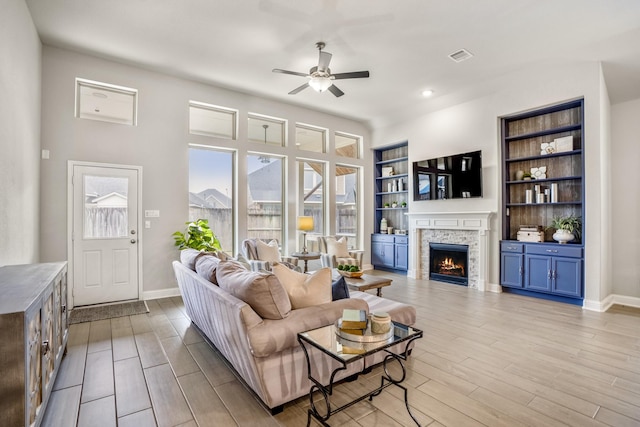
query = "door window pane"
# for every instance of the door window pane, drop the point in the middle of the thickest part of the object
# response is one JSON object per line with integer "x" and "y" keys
{"x": 266, "y": 130}
{"x": 347, "y": 200}
{"x": 347, "y": 145}
{"x": 310, "y": 138}
{"x": 264, "y": 197}
{"x": 105, "y": 207}
{"x": 211, "y": 192}
{"x": 211, "y": 120}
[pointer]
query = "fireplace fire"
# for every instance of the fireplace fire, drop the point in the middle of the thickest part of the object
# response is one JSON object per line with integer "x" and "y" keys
{"x": 448, "y": 263}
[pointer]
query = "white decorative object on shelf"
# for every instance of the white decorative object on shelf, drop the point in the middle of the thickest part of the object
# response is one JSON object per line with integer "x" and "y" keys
{"x": 548, "y": 147}
{"x": 564, "y": 144}
{"x": 387, "y": 171}
{"x": 539, "y": 173}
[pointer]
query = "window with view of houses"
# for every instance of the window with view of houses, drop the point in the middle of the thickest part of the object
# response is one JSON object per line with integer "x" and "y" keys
{"x": 211, "y": 192}
{"x": 265, "y": 197}
{"x": 347, "y": 184}
{"x": 312, "y": 194}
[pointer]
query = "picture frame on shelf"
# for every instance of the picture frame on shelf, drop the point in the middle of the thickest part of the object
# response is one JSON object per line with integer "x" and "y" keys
{"x": 564, "y": 144}
{"x": 387, "y": 171}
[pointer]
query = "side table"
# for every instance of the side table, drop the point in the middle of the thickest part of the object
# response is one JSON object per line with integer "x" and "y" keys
{"x": 306, "y": 257}
{"x": 330, "y": 344}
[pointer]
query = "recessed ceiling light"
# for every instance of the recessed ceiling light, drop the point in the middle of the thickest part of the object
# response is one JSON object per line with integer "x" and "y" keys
{"x": 427, "y": 93}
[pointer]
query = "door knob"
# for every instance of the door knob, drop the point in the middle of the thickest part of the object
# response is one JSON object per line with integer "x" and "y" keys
{"x": 133, "y": 231}
{"x": 133, "y": 240}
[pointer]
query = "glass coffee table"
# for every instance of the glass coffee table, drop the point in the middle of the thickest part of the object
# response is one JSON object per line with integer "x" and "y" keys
{"x": 345, "y": 352}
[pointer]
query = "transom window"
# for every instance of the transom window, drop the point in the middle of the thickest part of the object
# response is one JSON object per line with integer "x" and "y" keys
{"x": 106, "y": 102}
{"x": 212, "y": 120}
{"x": 311, "y": 138}
{"x": 348, "y": 145}
{"x": 266, "y": 130}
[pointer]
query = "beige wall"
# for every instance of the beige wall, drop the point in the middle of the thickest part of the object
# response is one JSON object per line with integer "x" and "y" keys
{"x": 625, "y": 156}
{"x": 20, "y": 69}
{"x": 160, "y": 145}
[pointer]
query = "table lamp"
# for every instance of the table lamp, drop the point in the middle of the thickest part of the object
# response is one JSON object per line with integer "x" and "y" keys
{"x": 305, "y": 223}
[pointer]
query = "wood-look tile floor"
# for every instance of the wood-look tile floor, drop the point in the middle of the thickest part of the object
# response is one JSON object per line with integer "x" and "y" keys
{"x": 485, "y": 360}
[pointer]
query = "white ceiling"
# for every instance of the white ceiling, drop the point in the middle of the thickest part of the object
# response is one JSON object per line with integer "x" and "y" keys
{"x": 404, "y": 44}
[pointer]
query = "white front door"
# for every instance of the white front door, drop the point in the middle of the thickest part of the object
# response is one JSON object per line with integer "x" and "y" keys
{"x": 104, "y": 234}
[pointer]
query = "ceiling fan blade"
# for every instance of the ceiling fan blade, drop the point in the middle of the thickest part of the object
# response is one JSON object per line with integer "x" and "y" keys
{"x": 325, "y": 59}
{"x": 334, "y": 90}
{"x": 293, "y": 73}
{"x": 352, "y": 75}
{"x": 300, "y": 89}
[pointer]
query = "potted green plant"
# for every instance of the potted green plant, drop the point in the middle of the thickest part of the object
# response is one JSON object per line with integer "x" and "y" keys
{"x": 403, "y": 204}
{"x": 386, "y": 205}
{"x": 197, "y": 236}
{"x": 567, "y": 228}
{"x": 526, "y": 176}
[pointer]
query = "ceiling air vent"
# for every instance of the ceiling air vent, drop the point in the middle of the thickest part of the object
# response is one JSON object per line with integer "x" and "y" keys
{"x": 460, "y": 55}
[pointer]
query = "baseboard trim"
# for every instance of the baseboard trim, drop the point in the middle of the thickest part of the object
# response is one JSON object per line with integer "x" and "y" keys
{"x": 162, "y": 293}
{"x": 610, "y": 300}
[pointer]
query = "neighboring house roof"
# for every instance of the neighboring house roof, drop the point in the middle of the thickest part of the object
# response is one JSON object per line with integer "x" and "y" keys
{"x": 109, "y": 200}
{"x": 209, "y": 198}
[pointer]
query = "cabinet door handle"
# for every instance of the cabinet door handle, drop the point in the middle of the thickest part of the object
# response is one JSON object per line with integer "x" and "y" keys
{"x": 554, "y": 274}
{"x": 554, "y": 251}
{"x": 521, "y": 270}
{"x": 549, "y": 274}
{"x": 511, "y": 247}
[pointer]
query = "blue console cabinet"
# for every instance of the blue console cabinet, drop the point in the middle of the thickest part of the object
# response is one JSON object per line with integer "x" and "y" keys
{"x": 390, "y": 252}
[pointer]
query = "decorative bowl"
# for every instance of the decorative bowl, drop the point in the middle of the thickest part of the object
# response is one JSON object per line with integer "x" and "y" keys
{"x": 352, "y": 274}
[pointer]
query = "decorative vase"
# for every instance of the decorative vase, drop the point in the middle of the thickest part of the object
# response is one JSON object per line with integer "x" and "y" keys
{"x": 519, "y": 175}
{"x": 563, "y": 236}
{"x": 394, "y": 205}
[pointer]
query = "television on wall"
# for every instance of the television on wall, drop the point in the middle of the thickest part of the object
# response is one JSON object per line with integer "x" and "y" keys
{"x": 450, "y": 177}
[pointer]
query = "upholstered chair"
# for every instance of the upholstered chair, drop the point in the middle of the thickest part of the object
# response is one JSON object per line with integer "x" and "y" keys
{"x": 335, "y": 251}
{"x": 261, "y": 255}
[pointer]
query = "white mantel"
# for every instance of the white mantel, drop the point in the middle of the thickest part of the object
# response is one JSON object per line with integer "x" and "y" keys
{"x": 468, "y": 221}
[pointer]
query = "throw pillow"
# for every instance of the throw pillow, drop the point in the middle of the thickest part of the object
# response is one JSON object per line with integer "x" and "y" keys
{"x": 339, "y": 289}
{"x": 243, "y": 260}
{"x": 189, "y": 256}
{"x": 337, "y": 248}
{"x": 268, "y": 252}
{"x": 305, "y": 290}
{"x": 206, "y": 267}
{"x": 261, "y": 290}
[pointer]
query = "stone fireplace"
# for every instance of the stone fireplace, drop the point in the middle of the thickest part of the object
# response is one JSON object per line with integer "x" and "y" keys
{"x": 468, "y": 229}
{"x": 449, "y": 263}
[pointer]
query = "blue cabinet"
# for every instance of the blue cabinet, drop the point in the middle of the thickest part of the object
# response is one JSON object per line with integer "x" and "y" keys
{"x": 390, "y": 251}
{"x": 511, "y": 264}
{"x": 547, "y": 268}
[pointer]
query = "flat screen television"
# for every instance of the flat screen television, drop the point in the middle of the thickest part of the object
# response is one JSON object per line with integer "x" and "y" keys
{"x": 451, "y": 177}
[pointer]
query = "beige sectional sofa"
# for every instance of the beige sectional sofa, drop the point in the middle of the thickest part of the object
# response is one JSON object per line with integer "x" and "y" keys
{"x": 265, "y": 352}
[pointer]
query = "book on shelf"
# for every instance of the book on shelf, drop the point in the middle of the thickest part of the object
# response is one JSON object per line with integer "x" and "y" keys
{"x": 354, "y": 319}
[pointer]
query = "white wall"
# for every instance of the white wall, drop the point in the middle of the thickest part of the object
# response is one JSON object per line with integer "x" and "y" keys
{"x": 625, "y": 176}
{"x": 20, "y": 67}
{"x": 474, "y": 125}
{"x": 160, "y": 145}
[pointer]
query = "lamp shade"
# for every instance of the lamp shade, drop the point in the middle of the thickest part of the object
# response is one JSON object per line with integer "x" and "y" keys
{"x": 305, "y": 223}
{"x": 320, "y": 83}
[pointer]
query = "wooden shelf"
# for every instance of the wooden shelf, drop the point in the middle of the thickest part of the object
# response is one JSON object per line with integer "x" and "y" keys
{"x": 545, "y": 132}
{"x": 545, "y": 156}
{"x": 534, "y": 181}
{"x": 396, "y": 160}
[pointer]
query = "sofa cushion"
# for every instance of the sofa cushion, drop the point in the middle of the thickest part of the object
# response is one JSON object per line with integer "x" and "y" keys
{"x": 399, "y": 312}
{"x": 268, "y": 251}
{"x": 272, "y": 336}
{"x": 339, "y": 289}
{"x": 337, "y": 248}
{"x": 261, "y": 290}
{"x": 206, "y": 266}
{"x": 188, "y": 257}
{"x": 304, "y": 290}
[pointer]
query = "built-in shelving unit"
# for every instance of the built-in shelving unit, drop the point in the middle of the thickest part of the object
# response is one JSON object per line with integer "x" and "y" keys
{"x": 551, "y": 138}
{"x": 390, "y": 251}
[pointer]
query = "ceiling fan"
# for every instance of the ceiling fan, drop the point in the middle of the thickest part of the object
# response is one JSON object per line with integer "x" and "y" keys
{"x": 320, "y": 77}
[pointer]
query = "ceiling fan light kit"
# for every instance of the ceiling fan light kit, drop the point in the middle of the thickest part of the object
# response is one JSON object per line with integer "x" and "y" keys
{"x": 320, "y": 77}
